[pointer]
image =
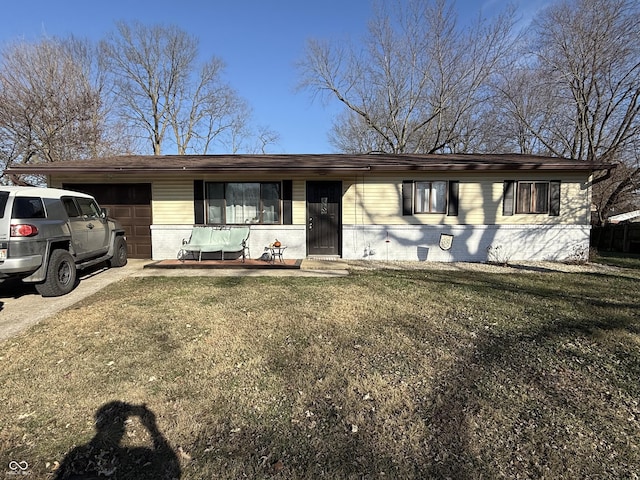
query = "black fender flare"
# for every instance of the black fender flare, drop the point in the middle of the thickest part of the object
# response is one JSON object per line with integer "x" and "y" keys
{"x": 41, "y": 273}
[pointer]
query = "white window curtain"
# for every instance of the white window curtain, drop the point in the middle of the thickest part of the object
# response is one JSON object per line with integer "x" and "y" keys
{"x": 215, "y": 194}
{"x": 431, "y": 197}
{"x": 422, "y": 196}
{"x": 243, "y": 202}
{"x": 439, "y": 197}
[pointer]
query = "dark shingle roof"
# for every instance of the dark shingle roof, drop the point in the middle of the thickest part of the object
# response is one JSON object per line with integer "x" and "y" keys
{"x": 320, "y": 163}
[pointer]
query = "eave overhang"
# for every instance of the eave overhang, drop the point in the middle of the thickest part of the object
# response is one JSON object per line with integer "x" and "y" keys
{"x": 306, "y": 164}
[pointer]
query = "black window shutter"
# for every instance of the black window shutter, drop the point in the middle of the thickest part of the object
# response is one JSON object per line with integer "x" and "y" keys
{"x": 407, "y": 197}
{"x": 198, "y": 201}
{"x": 452, "y": 209}
{"x": 554, "y": 198}
{"x": 508, "y": 197}
{"x": 287, "y": 201}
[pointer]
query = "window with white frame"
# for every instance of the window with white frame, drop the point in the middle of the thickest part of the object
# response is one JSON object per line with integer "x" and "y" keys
{"x": 229, "y": 203}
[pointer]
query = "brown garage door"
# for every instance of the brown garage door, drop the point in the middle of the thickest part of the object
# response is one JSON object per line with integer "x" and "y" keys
{"x": 130, "y": 204}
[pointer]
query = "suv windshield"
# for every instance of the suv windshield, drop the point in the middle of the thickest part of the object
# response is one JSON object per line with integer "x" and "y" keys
{"x": 3, "y": 202}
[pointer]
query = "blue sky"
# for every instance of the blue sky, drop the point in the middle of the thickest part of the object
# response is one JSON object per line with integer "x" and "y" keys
{"x": 260, "y": 41}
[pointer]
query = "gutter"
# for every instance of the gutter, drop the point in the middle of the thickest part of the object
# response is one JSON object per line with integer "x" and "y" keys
{"x": 45, "y": 170}
{"x": 303, "y": 169}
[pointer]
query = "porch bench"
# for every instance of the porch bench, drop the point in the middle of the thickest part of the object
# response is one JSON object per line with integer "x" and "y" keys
{"x": 211, "y": 239}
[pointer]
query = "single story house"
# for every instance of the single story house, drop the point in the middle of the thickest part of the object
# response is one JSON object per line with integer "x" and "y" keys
{"x": 448, "y": 207}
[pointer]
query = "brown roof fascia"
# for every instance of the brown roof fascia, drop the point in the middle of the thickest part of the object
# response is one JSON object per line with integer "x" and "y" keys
{"x": 488, "y": 167}
{"x": 307, "y": 163}
{"x": 147, "y": 170}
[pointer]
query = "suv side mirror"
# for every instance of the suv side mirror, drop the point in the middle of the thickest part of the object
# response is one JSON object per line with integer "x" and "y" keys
{"x": 104, "y": 213}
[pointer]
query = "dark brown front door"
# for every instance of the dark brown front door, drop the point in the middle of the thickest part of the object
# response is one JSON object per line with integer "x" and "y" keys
{"x": 130, "y": 204}
{"x": 324, "y": 226}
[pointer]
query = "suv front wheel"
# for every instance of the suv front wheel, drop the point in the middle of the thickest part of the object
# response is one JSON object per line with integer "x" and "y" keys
{"x": 61, "y": 275}
{"x": 119, "y": 258}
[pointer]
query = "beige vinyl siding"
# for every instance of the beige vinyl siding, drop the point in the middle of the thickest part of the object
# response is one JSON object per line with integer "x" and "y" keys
{"x": 299, "y": 204}
{"x": 479, "y": 204}
{"x": 574, "y": 200}
{"x": 372, "y": 201}
{"x": 375, "y": 200}
{"x": 173, "y": 202}
{"x": 378, "y": 200}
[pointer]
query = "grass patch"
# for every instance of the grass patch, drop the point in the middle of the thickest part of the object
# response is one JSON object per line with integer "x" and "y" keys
{"x": 615, "y": 259}
{"x": 382, "y": 374}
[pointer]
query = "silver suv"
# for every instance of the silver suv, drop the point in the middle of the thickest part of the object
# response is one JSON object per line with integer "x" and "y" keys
{"x": 47, "y": 234}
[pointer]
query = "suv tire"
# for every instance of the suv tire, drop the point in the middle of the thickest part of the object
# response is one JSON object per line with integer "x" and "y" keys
{"x": 119, "y": 258}
{"x": 61, "y": 275}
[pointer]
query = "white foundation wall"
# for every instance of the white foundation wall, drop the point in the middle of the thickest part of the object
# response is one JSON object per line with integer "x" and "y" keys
{"x": 167, "y": 240}
{"x": 470, "y": 243}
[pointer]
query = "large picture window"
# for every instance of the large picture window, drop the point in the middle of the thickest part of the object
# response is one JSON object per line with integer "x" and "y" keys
{"x": 243, "y": 203}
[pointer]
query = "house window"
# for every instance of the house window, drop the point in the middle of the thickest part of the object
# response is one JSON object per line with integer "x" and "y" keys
{"x": 430, "y": 197}
{"x": 532, "y": 197}
{"x": 243, "y": 202}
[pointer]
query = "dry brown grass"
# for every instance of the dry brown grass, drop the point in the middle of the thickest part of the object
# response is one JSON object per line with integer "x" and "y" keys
{"x": 383, "y": 374}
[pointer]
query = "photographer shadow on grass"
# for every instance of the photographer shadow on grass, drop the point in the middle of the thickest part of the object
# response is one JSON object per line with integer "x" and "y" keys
{"x": 105, "y": 456}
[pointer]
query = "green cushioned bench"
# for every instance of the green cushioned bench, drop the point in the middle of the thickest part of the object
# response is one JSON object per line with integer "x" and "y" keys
{"x": 211, "y": 239}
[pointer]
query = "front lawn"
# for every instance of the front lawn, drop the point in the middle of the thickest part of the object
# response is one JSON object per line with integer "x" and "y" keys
{"x": 381, "y": 374}
{"x": 617, "y": 259}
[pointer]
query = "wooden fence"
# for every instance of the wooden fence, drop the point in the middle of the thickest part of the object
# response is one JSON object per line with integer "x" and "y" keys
{"x": 621, "y": 237}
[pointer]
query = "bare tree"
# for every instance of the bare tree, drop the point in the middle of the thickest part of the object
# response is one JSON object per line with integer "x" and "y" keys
{"x": 621, "y": 193}
{"x": 577, "y": 92}
{"x": 522, "y": 105}
{"x": 255, "y": 140}
{"x": 418, "y": 78}
{"x": 266, "y": 137}
{"x": 588, "y": 62}
{"x": 167, "y": 95}
{"x": 51, "y": 105}
{"x": 244, "y": 137}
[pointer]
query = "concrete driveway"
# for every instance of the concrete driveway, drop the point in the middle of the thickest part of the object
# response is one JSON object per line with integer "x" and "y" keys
{"x": 21, "y": 306}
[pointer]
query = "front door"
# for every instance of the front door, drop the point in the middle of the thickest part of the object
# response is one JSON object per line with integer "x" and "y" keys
{"x": 324, "y": 226}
